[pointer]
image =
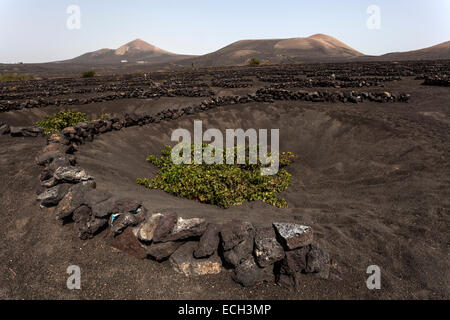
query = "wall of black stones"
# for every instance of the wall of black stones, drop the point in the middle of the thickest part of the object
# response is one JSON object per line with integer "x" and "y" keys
{"x": 283, "y": 252}
{"x": 192, "y": 83}
{"x": 268, "y": 94}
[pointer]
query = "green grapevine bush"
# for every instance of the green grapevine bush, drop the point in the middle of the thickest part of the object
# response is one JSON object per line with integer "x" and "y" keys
{"x": 88, "y": 74}
{"x": 223, "y": 185}
{"x": 60, "y": 120}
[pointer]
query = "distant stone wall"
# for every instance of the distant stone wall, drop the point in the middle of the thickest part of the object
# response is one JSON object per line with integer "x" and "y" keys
{"x": 437, "y": 80}
{"x": 87, "y": 130}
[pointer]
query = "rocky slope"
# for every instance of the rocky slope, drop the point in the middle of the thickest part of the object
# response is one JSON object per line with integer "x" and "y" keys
{"x": 132, "y": 52}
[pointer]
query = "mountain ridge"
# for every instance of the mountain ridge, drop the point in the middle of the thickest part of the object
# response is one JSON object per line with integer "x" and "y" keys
{"x": 315, "y": 48}
{"x": 435, "y": 52}
{"x": 133, "y": 52}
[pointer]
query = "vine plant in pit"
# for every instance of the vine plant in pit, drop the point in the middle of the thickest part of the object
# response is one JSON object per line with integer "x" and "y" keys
{"x": 223, "y": 185}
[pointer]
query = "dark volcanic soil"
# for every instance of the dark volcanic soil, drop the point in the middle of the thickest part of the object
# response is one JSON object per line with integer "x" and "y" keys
{"x": 371, "y": 179}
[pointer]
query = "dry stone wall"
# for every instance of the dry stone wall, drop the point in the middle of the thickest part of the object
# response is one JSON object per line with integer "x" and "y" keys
{"x": 280, "y": 252}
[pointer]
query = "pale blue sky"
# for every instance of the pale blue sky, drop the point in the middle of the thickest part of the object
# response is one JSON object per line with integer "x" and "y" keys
{"x": 35, "y": 30}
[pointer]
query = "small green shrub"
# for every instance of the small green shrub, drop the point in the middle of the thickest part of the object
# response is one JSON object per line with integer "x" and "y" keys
{"x": 15, "y": 77}
{"x": 60, "y": 120}
{"x": 104, "y": 116}
{"x": 88, "y": 74}
{"x": 253, "y": 62}
{"x": 223, "y": 185}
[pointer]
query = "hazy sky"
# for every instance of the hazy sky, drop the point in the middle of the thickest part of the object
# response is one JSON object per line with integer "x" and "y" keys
{"x": 36, "y": 30}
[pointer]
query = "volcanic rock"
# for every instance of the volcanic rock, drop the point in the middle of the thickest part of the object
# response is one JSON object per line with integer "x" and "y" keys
{"x": 183, "y": 262}
{"x": 101, "y": 203}
{"x": 45, "y": 175}
{"x": 58, "y": 162}
{"x": 122, "y": 222}
{"x": 73, "y": 199}
{"x": 161, "y": 251}
{"x": 48, "y": 183}
{"x": 56, "y": 138}
{"x": 241, "y": 252}
{"x": 147, "y": 229}
{"x": 209, "y": 242}
{"x": 52, "y": 196}
{"x": 131, "y": 119}
{"x": 318, "y": 262}
{"x": 50, "y": 152}
{"x": 293, "y": 236}
{"x": 87, "y": 224}
{"x": 249, "y": 274}
{"x": 267, "y": 249}
{"x": 290, "y": 281}
{"x": 33, "y": 131}
{"x": 127, "y": 205}
{"x": 69, "y": 131}
{"x": 4, "y": 128}
{"x": 97, "y": 196}
{"x": 234, "y": 233}
{"x": 294, "y": 261}
{"x": 128, "y": 243}
{"x": 116, "y": 126}
{"x": 165, "y": 227}
{"x": 71, "y": 174}
{"x": 185, "y": 229}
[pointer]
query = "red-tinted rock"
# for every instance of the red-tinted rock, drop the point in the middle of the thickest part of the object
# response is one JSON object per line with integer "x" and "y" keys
{"x": 128, "y": 243}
